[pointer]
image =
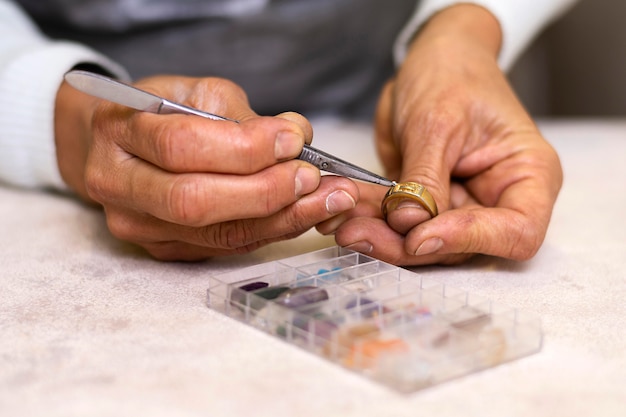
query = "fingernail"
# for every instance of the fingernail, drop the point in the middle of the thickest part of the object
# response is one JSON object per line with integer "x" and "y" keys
{"x": 408, "y": 204}
{"x": 339, "y": 201}
{"x": 287, "y": 145}
{"x": 307, "y": 180}
{"x": 429, "y": 246}
{"x": 362, "y": 246}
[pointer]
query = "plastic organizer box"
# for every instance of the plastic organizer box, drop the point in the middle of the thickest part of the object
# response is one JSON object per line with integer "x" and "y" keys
{"x": 387, "y": 323}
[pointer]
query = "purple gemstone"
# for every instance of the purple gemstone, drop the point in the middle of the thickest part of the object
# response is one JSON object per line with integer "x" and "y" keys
{"x": 301, "y": 296}
{"x": 253, "y": 286}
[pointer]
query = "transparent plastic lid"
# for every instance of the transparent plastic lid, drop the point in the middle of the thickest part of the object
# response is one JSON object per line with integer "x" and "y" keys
{"x": 384, "y": 322}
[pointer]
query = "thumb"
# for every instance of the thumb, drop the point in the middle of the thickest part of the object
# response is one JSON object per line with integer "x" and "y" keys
{"x": 495, "y": 231}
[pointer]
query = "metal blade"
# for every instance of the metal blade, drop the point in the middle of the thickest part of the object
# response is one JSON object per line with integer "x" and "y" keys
{"x": 112, "y": 90}
{"x": 103, "y": 87}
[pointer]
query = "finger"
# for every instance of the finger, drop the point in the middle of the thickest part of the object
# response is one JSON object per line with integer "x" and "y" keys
{"x": 368, "y": 206}
{"x": 539, "y": 166}
{"x": 362, "y": 234}
{"x": 407, "y": 214}
{"x": 375, "y": 238}
{"x": 302, "y": 122}
{"x": 182, "y": 251}
{"x": 509, "y": 230}
{"x": 523, "y": 189}
{"x": 514, "y": 230}
{"x": 190, "y": 143}
{"x": 431, "y": 144}
{"x": 169, "y": 241}
{"x": 460, "y": 197}
{"x": 180, "y": 143}
{"x": 334, "y": 195}
{"x": 491, "y": 231}
{"x": 455, "y": 235}
{"x": 198, "y": 199}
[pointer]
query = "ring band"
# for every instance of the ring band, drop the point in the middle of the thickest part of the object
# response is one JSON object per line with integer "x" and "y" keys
{"x": 412, "y": 191}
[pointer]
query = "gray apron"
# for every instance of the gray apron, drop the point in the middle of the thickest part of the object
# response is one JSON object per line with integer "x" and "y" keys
{"x": 310, "y": 56}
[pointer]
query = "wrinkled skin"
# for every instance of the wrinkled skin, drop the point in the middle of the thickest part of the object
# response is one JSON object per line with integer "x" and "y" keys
{"x": 188, "y": 188}
{"x": 450, "y": 121}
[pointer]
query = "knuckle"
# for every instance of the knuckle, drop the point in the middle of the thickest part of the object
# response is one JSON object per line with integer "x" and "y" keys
{"x": 441, "y": 122}
{"x": 161, "y": 253}
{"x": 120, "y": 226}
{"x": 166, "y": 251}
{"x": 229, "y": 235}
{"x": 271, "y": 195}
{"x": 226, "y": 87}
{"x": 96, "y": 184}
{"x": 455, "y": 259}
{"x": 296, "y": 220}
{"x": 254, "y": 142}
{"x": 109, "y": 123}
{"x": 170, "y": 144}
{"x": 99, "y": 177}
{"x": 164, "y": 142}
{"x": 517, "y": 238}
{"x": 189, "y": 201}
{"x": 528, "y": 242}
{"x": 475, "y": 239}
{"x": 437, "y": 122}
{"x": 99, "y": 119}
{"x": 214, "y": 94}
{"x": 429, "y": 177}
{"x": 247, "y": 150}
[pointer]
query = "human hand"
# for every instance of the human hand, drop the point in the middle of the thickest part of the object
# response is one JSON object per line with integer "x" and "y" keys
{"x": 450, "y": 121}
{"x": 188, "y": 188}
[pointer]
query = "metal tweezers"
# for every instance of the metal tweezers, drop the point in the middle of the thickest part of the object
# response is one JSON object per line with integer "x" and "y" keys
{"x": 107, "y": 88}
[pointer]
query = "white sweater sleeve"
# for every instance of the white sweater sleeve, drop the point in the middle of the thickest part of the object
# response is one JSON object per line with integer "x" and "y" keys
{"x": 31, "y": 70}
{"x": 520, "y": 20}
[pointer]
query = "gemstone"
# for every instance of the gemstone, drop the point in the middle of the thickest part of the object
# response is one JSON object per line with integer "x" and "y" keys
{"x": 240, "y": 297}
{"x": 270, "y": 293}
{"x": 301, "y": 296}
{"x": 253, "y": 286}
{"x": 365, "y": 353}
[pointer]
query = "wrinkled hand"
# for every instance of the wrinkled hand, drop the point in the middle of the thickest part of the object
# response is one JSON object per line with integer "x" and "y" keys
{"x": 450, "y": 121}
{"x": 188, "y": 188}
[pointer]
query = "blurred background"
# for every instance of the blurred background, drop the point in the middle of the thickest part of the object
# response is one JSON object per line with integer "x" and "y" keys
{"x": 577, "y": 66}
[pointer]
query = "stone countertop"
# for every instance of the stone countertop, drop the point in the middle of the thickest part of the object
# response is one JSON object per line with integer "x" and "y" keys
{"x": 91, "y": 326}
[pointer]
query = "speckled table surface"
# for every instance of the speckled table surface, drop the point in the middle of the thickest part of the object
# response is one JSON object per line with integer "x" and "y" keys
{"x": 90, "y": 326}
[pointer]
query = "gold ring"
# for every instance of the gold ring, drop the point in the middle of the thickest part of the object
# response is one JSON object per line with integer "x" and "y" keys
{"x": 412, "y": 191}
